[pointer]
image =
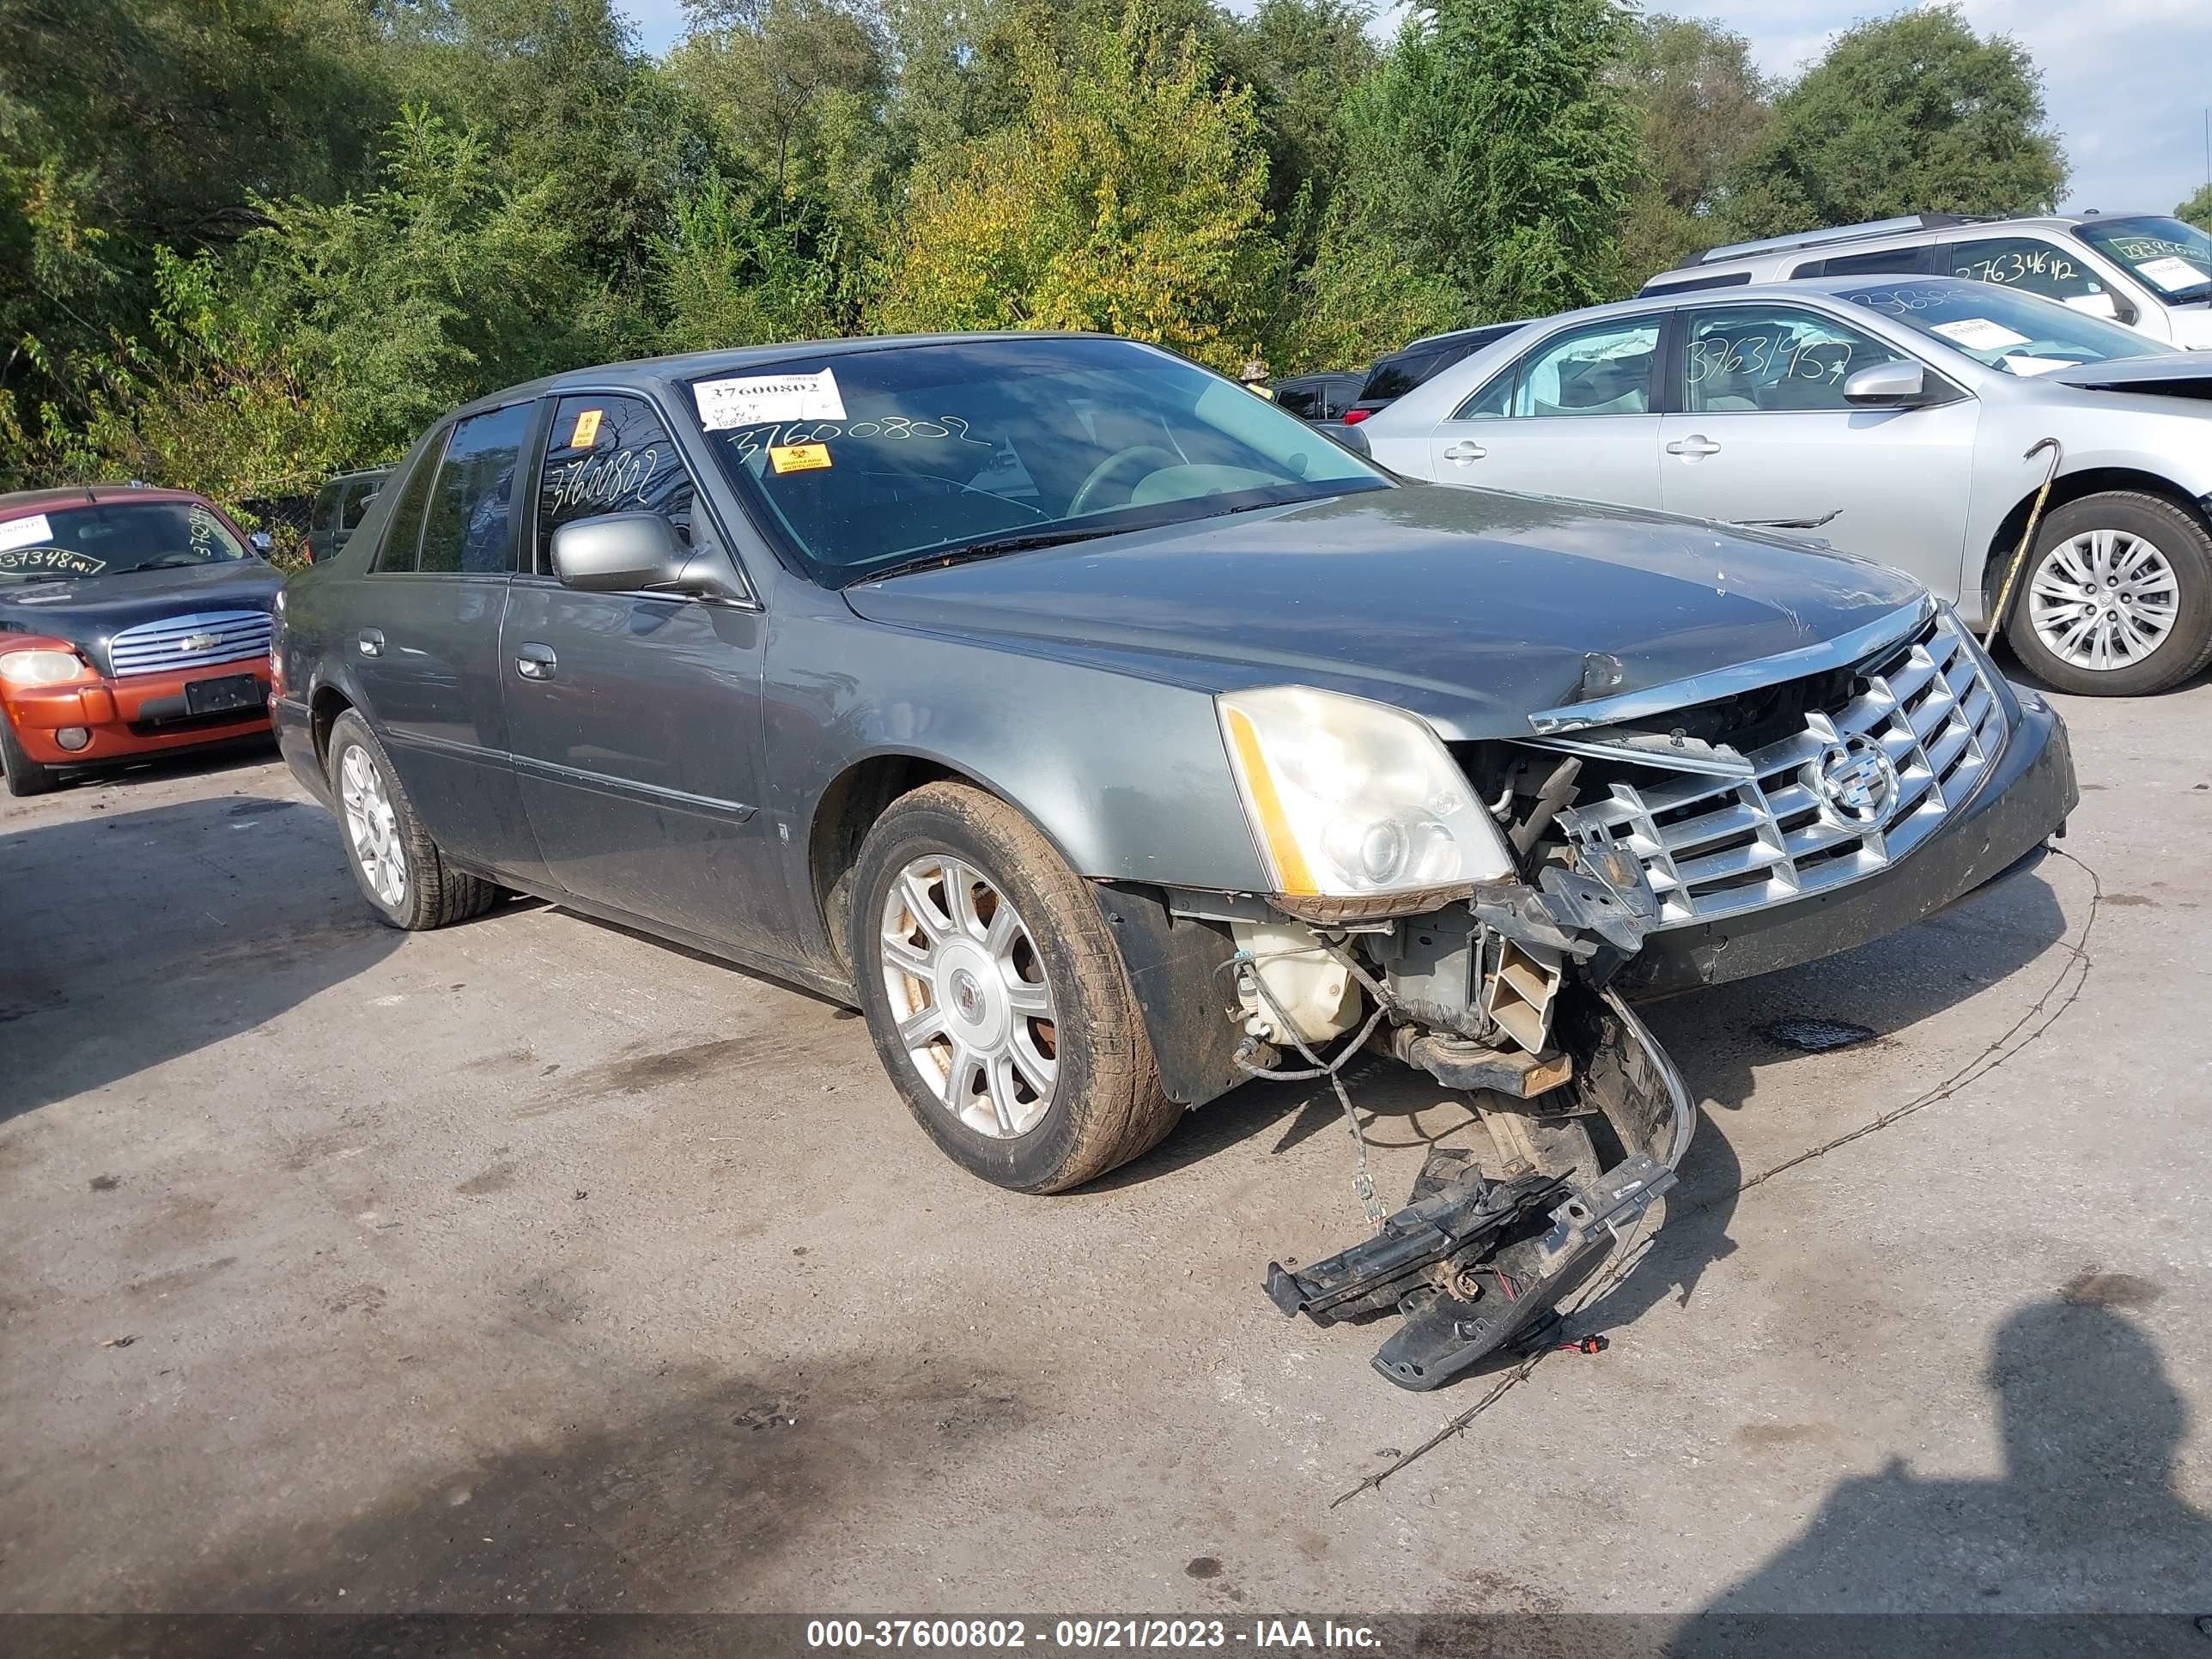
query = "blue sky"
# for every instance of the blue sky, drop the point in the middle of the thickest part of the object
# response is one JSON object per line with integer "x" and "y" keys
{"x": 2125, "y": 79}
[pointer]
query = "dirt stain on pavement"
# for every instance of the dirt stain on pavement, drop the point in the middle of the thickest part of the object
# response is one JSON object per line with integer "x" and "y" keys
{"x": 2094, "y": 1288}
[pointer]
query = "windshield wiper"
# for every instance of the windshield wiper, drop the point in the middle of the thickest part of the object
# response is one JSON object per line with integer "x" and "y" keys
{"x": 990, "y": 550}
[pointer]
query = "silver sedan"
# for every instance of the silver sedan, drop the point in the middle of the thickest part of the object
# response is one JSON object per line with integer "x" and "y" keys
{"x": 1901, "y": 419}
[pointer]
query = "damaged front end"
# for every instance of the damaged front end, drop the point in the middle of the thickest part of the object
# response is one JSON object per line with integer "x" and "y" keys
{"x": 1646, "y": 839}
{"x": 1505, "y": 994}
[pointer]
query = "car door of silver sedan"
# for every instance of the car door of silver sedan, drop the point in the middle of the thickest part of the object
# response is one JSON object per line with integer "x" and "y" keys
{"x": 1574, "y": 417}
{"x": 1765, "y": 437}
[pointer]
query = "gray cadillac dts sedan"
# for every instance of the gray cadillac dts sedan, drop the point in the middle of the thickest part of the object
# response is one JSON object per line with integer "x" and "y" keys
{"x": 1110, "y": 736}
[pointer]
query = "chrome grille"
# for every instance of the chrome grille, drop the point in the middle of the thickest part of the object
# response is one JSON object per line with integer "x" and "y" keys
{"x": 176, "y": 642}
{"x": 1716, "y": 847}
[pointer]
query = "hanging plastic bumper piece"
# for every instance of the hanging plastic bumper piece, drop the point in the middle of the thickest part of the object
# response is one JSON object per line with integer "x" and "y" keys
{"x": 1478, "y": 1260}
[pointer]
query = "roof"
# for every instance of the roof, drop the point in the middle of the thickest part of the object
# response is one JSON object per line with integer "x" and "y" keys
{"x": 25, "y": 501}
{"x": 644, "y": 372}
{"x": 1929, "y": 228}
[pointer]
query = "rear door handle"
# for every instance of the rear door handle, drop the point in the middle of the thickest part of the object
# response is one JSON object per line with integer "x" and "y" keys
{"x": 1695, "y": 445}
{"x": 535, "y": 662}
{"x": 1461, "y": 454}
{"x": 371, "y": 642}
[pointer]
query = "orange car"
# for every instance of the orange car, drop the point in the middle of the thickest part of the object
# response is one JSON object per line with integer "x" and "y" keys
{"x": 132, "y": 622}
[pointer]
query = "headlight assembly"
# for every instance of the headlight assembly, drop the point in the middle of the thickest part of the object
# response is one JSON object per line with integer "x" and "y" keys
{"x": 1353, "y": 800}
{"x": 39, "y": 666}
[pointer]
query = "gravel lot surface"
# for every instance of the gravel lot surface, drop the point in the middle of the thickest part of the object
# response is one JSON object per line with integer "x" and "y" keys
{"x": 533, "y": 1265}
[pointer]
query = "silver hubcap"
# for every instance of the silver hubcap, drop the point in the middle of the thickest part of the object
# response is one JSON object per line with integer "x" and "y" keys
{"x": 372, "y": 827}
{"x": 975, "y": 1010}
{"x": 2104, "y": 599}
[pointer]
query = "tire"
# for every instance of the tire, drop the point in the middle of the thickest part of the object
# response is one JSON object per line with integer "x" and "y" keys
{"x": 1104, "y": 1104}
{"x": 25, "y": 775}
{"x": 2069, "y": 561}
{"x": 428, "y": 891}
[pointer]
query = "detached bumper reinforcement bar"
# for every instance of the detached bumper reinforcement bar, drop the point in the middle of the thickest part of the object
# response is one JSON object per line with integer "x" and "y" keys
{"x": 1475, "y": 1259}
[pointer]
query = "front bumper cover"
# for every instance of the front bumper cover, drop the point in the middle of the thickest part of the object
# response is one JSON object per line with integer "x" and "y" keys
{"x": 1470, "y": 1262}
{"x": 141, "y": 715}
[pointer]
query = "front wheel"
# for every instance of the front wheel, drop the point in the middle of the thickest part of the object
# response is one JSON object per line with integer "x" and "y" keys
{"x": 2116, "y": 600}
{"x": 996, "y": 996}
{"x": 25, "y": 775}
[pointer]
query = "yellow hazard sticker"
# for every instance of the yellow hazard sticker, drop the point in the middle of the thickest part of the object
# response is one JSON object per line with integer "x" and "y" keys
{"x": 798, "y": 457}
{"x": 587, "y": 428}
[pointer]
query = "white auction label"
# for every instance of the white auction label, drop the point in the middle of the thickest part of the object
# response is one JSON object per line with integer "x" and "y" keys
{"x": 2171, "y": 274}
{"x": 1980, "y": 334}
{"x": 765, "y": 400}
{"x": 2029, "y": 367}
{"x": 25, "y": 533}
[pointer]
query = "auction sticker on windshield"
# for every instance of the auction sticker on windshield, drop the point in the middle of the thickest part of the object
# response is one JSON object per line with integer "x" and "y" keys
{"x": 757, "y": 399}
{"x": 25, "y": 533}
{"x": 1978, "y": 334}
{"x": 2171, "y": 274}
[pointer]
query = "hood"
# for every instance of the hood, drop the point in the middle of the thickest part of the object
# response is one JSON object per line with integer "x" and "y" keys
{"x": 2165, "y": 374}
{"x": 1470, "y": 607}
{"x": 89, "y": 611}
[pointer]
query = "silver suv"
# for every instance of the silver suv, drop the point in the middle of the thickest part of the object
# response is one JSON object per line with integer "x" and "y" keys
{"x": 1901, "y": 419}
{"x": 2148, "y": 270}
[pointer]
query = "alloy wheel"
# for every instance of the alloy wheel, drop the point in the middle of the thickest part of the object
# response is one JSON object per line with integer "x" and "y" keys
{"x": 976, "y": 1012}
{"x": 372, "y": 826}
{"x": 2104, "y": 599}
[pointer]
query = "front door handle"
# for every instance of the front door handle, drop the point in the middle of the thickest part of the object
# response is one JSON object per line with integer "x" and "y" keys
{"x": 535, "y": 662}
{"x": 1461, "y": 454}
{"x": 1695, "y": 447}
{"x": 371, "y": 642}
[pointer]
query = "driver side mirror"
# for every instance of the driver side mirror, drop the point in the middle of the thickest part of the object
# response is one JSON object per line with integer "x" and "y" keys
{"x": 633, "y": 553}
{"x": 1893, "y": 385}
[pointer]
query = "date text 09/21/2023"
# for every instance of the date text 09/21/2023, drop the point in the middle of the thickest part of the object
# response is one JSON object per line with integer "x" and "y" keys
{"x": 1008, "y": 1635}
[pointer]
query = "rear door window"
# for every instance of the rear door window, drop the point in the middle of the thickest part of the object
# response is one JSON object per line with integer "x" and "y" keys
{"x": 1394, "y": 377}
{"x": 355, "y": 507}
{"x": 1304, "y": 399}
{"x": 1604, "y": 370}
{"x": 1882, "y": 260}
{"x": 470, "y": 529}
{"x": 2032, "y": 265}
{"x": 404, "y": 535}
{"x": 607, "y": 453}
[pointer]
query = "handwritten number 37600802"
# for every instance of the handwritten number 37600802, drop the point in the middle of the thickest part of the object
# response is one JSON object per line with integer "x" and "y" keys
{"x": 897, "y": 427}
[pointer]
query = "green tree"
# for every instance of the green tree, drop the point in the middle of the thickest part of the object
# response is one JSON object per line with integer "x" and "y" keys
{"x": 1302, "y": 58}
{"x": 733, "y": 273}
{"x": 130, "y": 124}
{"x": 332, "y": 335}
{"x": 2198, "y": 210}
{"x": 1704, "y": 107}
{"x": 1493, "y": 150}
{"x": 1912, "y": 114}
{"x": 1129, "y": 197}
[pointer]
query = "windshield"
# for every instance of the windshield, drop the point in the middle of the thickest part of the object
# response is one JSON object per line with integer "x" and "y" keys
{"x": 874, "y": 461}
{"x": 2002, "y": 327}
{"x": 2174, "y": 259}
{"x": 108, "y": 539}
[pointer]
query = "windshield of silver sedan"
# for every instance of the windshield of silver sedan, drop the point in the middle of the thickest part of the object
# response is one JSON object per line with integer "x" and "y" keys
{"x": 874, "y": 461}
{"x": 2021, "y": 333}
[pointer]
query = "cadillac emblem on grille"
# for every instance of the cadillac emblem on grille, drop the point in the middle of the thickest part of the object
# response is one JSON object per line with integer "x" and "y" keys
{"x": 1856, "y": 779}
